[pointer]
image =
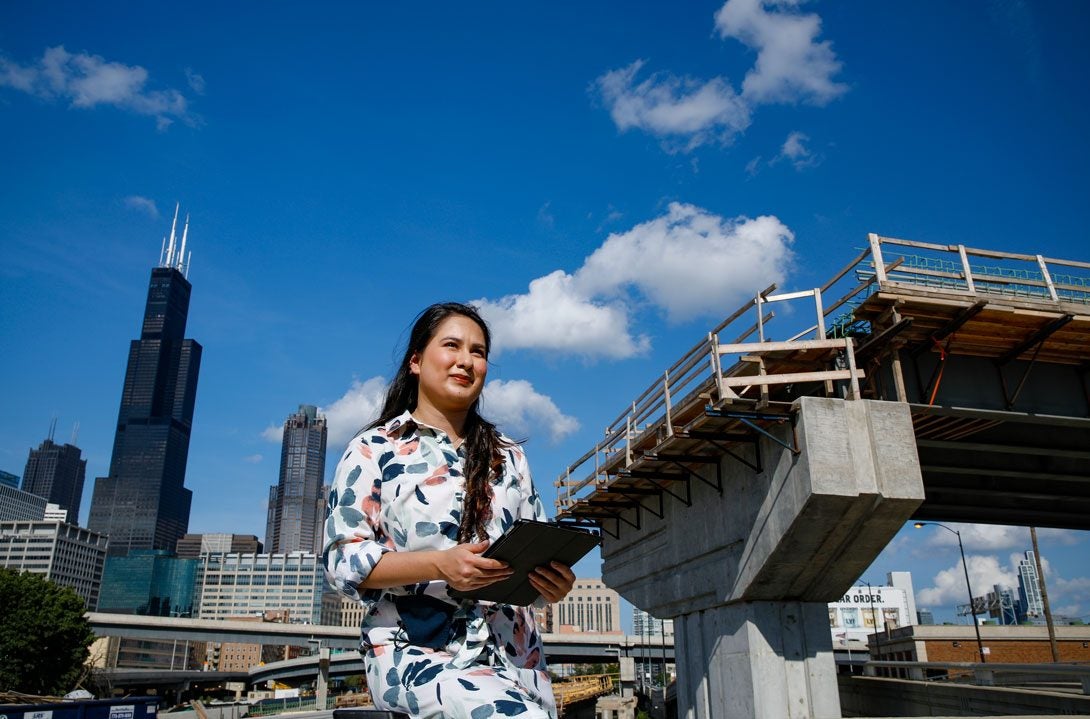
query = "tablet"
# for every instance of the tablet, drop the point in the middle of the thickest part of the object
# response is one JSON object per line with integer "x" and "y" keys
{"x": 526, "y": 546}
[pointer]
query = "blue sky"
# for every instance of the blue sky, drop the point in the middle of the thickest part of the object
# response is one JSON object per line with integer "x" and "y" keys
{"x": 563, "y": 164}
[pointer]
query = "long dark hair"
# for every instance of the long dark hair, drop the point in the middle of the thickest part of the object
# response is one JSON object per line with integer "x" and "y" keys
{"x": 483, "y": 443}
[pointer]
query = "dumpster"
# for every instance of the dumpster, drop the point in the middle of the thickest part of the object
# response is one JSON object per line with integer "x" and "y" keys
{"x": 127, "y": 708}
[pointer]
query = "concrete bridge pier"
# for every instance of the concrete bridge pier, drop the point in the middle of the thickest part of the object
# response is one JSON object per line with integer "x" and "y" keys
{"x": 746, "y": 572}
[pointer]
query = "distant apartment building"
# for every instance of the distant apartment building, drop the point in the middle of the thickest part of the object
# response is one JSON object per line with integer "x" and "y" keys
{"x": 297, "y": 502}
{"x": 234, "y": 585}
{"x": 590, "y": 608}
{"x": 645, "y": 625}
{"x": 11, "y": 480}
{"x": 63, "y": 553}
{"x": 192, "y": 546}
{"x": 56, "y": 472}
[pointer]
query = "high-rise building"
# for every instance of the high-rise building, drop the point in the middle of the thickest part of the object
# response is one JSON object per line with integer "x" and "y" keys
{"x": 297, "y": 501}
{"x": 11, "y": 480}
{"x": 143, "y": 503}
{"x": 1029, "y": 586}
{"x": 644, "y": 625}
{"x": 62, "y": 553}
{"x": 56, "y": 472}
{"x": 192, "y": 546}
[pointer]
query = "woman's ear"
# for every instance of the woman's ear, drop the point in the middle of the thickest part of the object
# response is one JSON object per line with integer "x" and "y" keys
{"x": 414, "y": 363}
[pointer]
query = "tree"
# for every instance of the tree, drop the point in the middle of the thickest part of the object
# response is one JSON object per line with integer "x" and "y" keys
{"x": 44, "y": 636}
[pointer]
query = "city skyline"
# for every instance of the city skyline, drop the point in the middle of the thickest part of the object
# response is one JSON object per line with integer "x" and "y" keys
{"x": 563, "y": 169}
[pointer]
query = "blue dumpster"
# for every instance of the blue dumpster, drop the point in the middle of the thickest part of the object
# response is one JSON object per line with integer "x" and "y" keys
{"x": 127, "y": 708}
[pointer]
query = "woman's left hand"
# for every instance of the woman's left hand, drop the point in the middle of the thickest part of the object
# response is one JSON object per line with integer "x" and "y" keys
{"x": 553, "y": 580}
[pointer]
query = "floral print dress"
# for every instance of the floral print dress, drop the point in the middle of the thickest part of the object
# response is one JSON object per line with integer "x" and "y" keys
{"x": 400, "y": 487}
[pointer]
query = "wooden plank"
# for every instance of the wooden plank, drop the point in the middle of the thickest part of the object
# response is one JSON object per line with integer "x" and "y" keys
{"x": 876, "y": 252}
{"x": 773, "y": 346}
{"x": 792, "y": 378}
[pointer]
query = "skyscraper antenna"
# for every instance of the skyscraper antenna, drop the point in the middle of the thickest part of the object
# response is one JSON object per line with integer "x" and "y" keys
{"x": 162, "y": 251}
{"x": 187, "y": 263}
{"x": 173, "y": 234}
{"x": 75, "y": 433}
{"x": 185, "y": 233}
{"x": 52, "y": 427}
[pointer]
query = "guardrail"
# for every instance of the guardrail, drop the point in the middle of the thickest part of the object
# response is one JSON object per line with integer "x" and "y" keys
{"x": 983, "y": 674}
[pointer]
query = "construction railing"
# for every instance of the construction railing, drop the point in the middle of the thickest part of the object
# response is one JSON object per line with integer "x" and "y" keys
{"x": 730, "y": 365}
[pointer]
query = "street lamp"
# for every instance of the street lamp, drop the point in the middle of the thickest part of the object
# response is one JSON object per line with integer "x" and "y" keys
{"x": 965, "y": 566}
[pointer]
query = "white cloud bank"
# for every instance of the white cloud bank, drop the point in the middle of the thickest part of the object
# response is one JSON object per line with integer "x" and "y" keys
{"x": 949, "y": 584}
{"x": 514, "y": 405}
{"x": 89, "y": 80}
{"x": 688, "y": 262}
{"x": 792, "y": 66}
{"x": 995, "y": 537}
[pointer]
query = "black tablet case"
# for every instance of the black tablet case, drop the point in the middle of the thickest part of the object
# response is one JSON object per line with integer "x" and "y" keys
{"x": 526, "y": 546}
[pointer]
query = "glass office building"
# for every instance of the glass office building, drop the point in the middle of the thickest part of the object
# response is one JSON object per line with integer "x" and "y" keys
{"x": 142, "y": 503}
{"x": 150, "y": 582}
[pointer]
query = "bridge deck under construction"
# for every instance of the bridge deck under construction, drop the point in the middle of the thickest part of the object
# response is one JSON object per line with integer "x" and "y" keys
{"x": 898, "y": 299}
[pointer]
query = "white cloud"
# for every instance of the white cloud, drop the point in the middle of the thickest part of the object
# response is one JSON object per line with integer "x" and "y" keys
{"x": 273, "y": 433}
{"x": 253, "y": 458}
{"x": 358, "y": 407}
{"x": 791, "y": 64}
{"x": 669, "y": 106}
{"x": 517, "y": 408}
{"x": 995, "y": 537}
{"x": 949, "y": 584}
{"x": 554, "y": 315}
{"x": 196, "y": 82}
{"x": 89, "y": 80}
{"x": 688, "y": 262}
{"x": 796, "y": 152}
{"x": 136, "y": 202}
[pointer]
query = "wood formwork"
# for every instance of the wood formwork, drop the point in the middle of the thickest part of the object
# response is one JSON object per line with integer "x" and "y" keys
{"x": 895, "y": 296}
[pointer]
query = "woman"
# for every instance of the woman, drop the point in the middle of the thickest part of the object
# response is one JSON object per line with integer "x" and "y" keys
{"x": 416, "y": 499}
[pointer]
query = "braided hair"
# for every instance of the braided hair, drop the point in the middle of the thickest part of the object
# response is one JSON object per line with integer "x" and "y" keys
{"x": 483, "y": 444}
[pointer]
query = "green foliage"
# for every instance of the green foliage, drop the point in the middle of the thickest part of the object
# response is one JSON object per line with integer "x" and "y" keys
{"x": 43, "y": 635}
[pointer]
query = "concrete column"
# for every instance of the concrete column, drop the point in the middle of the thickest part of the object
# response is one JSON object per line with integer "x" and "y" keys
{"x": 746, "y": 572}
{"x": 756, "y": 659}
{"x": 321, "y": 688}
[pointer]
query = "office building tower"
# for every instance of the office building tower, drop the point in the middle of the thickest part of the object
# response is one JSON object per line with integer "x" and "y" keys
{"x": 297, "y": 502}
{"x": 149, "y": 582}
{"x": 63, "y": 553}
{"x": 56, "y": 472}
{"x": 590, "y": 608}
{"x": 17, "y": 505}
{"x": 1029, "y": 587}
{"x": 233, "y": 585}
{"x": 11, "y": 480}
{"x": 142, "y": 503}
{"x": 192, "y": 546}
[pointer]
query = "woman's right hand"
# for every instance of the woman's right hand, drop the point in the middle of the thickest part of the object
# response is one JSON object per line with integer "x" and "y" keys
{"x": 464, "y": 569}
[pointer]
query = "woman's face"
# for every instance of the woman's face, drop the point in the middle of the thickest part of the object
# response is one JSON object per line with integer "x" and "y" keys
{"x": 452, "y": 367}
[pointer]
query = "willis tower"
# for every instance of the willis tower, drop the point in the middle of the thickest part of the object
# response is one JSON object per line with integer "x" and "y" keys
{"x": 143, "y": 504}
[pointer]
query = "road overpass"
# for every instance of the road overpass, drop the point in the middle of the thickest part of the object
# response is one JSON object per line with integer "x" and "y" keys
{"x": 756, "y": 478}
